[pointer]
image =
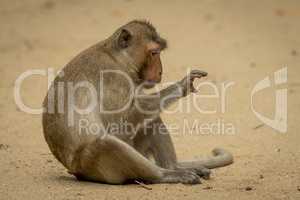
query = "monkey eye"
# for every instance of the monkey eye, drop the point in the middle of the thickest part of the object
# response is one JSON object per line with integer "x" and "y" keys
{"x": 155, "y": 52}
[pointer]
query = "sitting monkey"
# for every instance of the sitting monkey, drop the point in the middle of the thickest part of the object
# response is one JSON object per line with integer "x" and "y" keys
{"x": 112, "y": 156}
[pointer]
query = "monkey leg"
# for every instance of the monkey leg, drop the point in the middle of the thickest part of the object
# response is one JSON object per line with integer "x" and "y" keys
{"x": 111, "y": 160}
{"x": 156, "y": 140}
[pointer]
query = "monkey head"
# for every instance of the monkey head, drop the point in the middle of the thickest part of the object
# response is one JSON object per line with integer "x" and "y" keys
{"x": 143, "y": 45}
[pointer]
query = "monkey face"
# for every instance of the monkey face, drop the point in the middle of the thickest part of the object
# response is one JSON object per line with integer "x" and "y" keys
{"x": 143, "y": 45}
{"x": 151, "y": 72}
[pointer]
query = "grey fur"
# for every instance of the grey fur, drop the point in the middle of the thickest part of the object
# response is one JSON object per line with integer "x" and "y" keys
{"x": 111, "y": 158}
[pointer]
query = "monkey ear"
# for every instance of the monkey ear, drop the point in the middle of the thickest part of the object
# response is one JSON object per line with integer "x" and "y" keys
{"x": 124, "y": 38}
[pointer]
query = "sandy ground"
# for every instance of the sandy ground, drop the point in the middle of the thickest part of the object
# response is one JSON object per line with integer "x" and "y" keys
{"x": 238, "y": 41}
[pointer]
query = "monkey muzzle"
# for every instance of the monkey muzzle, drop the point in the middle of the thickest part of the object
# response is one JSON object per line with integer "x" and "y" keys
{"x": 150, "y": 84}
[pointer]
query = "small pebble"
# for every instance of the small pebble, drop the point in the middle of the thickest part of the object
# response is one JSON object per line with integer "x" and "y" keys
{"x": 280, "y": 12}
{"x": 48, "y": 5}
{"x": 207, "y": 188}
{"x": 261, "y": 176}
{"x": 278, "y": 150}
{"x": 298, "y": 188}
{"x": 208, "y": 17}
{"x": 294, "y": 52}
{"x": 248, "y": 188}
{"x": 291, "y": 91}
{"x": 252, "y": 64}
{"x": 4, "y": 146}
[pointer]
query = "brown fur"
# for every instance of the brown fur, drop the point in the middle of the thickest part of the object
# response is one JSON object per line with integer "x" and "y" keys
{"x": 117, "y": 158}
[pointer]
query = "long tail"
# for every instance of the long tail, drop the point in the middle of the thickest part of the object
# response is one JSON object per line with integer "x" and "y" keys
{"x": 220, "y": 158}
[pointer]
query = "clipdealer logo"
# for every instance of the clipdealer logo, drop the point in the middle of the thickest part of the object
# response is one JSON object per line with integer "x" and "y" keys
{"x": 279, "y": 122}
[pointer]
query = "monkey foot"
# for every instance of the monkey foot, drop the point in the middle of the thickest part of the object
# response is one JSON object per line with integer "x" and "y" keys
{"x": 180, "y": 176}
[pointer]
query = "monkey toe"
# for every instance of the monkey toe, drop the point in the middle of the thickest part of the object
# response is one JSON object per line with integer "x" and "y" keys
{"x": 203, "y": 173}
{"x": 189, "y": 177}
{"x": 181, "y": 176}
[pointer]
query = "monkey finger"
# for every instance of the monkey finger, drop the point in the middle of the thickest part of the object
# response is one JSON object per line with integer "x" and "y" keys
{"x": 199, "y": 72}
{"x": 193, "y": 89}
{"x": 193, "y": 76}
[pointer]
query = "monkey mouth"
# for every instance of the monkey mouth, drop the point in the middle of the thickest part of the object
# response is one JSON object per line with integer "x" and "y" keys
{"x": 149, "y": 84}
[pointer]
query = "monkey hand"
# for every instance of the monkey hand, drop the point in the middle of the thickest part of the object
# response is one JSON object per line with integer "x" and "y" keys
{"x": 187, "y": 82}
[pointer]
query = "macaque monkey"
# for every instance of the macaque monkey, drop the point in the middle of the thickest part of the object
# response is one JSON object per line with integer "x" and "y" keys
{"x": 103, "y": 78}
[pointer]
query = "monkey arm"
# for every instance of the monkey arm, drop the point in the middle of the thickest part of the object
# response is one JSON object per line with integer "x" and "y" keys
{"x": 180, "y": 89}
{"x": 170, "y": 95}
{"x": 149, "y": 106}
